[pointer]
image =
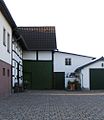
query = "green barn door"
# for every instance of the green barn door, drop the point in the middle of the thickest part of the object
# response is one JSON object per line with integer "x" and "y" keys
{"x": 41, "y": 74}
{"x": 27, "y": 74}
{"x": 27, "y": 78}
{"x": 59, "y": 80}
{"x": 96, "y": 79}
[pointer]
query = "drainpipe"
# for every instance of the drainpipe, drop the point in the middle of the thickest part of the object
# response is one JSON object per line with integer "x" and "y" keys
{"x": 81, "y": 80}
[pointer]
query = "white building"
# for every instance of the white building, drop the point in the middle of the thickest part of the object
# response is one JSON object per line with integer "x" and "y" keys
{"x": 11, "y": 45}
{"x": 67, "y": 63}
{"x": 92, "y": 74}
{"x": 6, "y": 29}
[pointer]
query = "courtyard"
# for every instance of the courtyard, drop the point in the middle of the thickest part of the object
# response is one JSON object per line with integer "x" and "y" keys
{"x": 53, "y": 105}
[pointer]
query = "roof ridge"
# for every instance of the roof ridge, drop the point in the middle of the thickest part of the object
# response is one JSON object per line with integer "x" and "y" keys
{"x": 39, "y": 29}
{"x": 34, "y": 26}
{"x": 76, "y": 54}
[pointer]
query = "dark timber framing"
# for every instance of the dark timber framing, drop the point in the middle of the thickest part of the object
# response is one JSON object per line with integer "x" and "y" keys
{"x": 17, "y": 54}
{"x": 18, "y": 70}
{"x": 53, "y": 69}
{"x": 37, "y": 55}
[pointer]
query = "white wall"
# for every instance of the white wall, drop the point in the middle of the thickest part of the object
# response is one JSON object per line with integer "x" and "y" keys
{"x": 85, "y": 74}
{"x": 29, "y": 55}
{"x": 4, "y": 55}
{"x": 76, "y": 60}
{"x": 44, "y": 55}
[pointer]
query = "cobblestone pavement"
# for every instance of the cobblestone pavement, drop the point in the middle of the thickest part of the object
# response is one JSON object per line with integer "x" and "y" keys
{"x": 53, "y": 105}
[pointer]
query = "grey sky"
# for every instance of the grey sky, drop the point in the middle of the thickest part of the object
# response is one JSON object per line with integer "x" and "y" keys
{"x": 79, "y": 23}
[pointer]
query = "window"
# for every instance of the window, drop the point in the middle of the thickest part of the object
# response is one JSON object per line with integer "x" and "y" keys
{"x": 3, "y": 71}
{"x": 4, "y": 37}
{"x": 8, "y": 73}
{"x": 8, "y": 42}
{"x": 67, "y": 61}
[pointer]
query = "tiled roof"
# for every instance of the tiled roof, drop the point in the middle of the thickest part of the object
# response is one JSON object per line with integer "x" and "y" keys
{"x": 39, "y": 38}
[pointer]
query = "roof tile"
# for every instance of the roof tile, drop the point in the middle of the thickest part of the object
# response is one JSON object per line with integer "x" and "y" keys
{"x": 39, "y": 38}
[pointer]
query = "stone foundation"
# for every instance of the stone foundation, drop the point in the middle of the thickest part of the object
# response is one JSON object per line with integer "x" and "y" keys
{"x": 5, "y": 79}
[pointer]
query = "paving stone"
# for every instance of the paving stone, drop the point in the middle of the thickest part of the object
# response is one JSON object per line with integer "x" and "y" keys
{"x": 53, "y": 105}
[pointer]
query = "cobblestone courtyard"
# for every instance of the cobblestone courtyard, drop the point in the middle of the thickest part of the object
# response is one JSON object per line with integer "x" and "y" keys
{"x": 53, "y": 105}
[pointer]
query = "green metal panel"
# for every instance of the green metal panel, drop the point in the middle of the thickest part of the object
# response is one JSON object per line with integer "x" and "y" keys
{"x": 96, "y": 79}
{"x": 27, "y": 80}
{"x": 59, "y": 78}
{"x": 27, "y": 65}
{"x": 41, "y": 74}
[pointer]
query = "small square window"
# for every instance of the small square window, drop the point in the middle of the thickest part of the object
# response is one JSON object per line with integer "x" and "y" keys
{"x": 67, "y": 61}
{"x": 3, "y": 71}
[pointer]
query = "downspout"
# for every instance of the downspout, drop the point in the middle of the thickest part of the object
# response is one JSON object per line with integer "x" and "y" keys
{"x": 81, "y": 80}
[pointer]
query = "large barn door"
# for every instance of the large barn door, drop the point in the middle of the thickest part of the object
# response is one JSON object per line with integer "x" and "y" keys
{"x": 41, "y": 74}
{"x": 96, "y": 79}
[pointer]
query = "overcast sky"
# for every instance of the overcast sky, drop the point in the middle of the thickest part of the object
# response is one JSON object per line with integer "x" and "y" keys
{"x": 79, "y": 23}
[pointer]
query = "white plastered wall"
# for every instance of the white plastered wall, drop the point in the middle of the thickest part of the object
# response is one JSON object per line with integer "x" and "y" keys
{"x": 29, "y": 55}
{"x": 76, "y": 60}
{"x": 85, "y": 74}
{"x": 4, "y": 55}
{"x": 44, "y": 55}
